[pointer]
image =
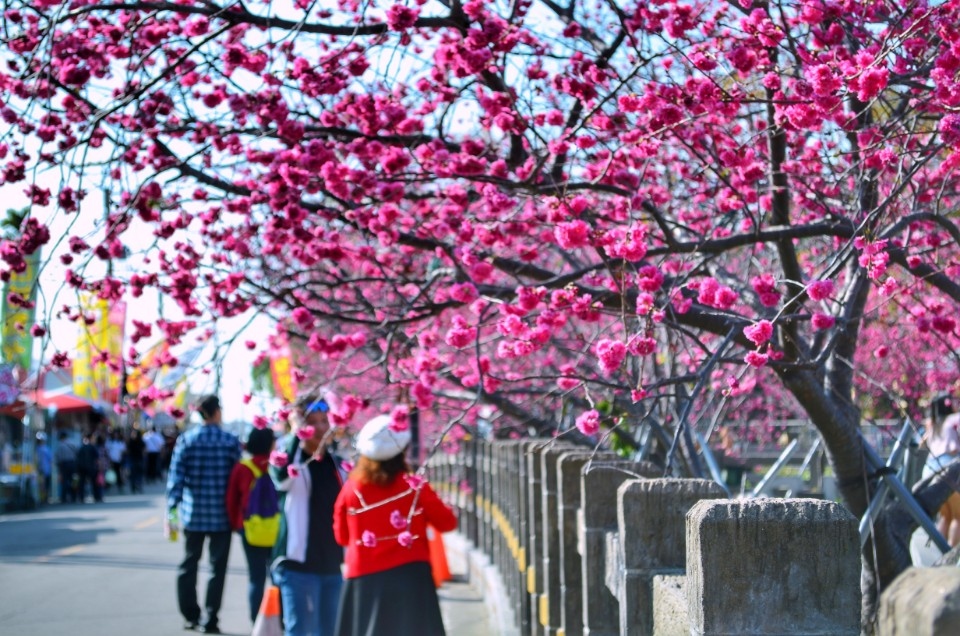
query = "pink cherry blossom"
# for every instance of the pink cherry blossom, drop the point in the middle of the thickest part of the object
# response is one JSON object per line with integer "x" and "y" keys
{"x": 405, "y": 539}
{"x": 572, "y": 234}
{"x": 759, "y": 332}
{"x": 397, "y": 520}
{"x": 278, "y": 459}
{"x": 293, "y": 471}
{"x": 414, "y": 481}
{"x": 399, "y": 419}
{"x": 306, "y": 432}
{"x": 820, "y": 289}
{"x": 610, "y": 354}
{"x": 756, "y": 359}
{"x": 589, "y": 422}
{"x": 822, "y": 321}
{"x": 368, "y": 539}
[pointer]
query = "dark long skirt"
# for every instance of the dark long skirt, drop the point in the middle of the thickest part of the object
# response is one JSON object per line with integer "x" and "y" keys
{"x": 398, "y": 602}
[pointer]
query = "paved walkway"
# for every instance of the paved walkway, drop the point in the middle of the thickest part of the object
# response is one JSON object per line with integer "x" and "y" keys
{"x": 105, "y": 569}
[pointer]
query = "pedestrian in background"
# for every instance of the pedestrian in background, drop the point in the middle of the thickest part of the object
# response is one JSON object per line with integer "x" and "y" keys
{"x": 136, "y": 459}
{"x": 66, "y": 457}
{"x": 88, "y": 465}
{"x": 153, "y": 441}
{"x": 116, "y": 452}
{"x": 199, "y": 472}
{"x": 308, "y": 558}
{"x": 44, "y": 466}
{"x": 243, "y": 479}
{"x": 381, "y": 519}
{"x": 942, "y": 439}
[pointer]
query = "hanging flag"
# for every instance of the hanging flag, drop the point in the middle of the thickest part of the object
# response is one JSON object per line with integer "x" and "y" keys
{"x": 17, "y": 320}
{"x": 143, "y": 374}
{"x": 281, "y": 369}
{"x": 97, "y": 368}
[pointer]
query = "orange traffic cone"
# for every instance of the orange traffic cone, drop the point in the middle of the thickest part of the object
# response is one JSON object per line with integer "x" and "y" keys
{"x": 268, "y": 618}
{"x": 438, "y": 557}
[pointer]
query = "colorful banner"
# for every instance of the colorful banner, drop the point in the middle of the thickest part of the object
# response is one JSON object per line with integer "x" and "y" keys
{"x": 16, "y": 321}
{"x": 281, "y": 369}
{"x": 145, "y": 373}
{"x": 98, "y": 365}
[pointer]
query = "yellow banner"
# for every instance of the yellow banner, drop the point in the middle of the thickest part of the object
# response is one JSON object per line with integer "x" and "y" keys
{"x": 145, "y": 373}
{"x": 282, "y": 373}
{"x": 16, "y": 321}
{"x": 281, "y": 368}
{"x": 98, "y": 363}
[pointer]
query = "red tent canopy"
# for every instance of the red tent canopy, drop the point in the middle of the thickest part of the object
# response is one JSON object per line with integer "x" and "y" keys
{"x": 64, "y": 402}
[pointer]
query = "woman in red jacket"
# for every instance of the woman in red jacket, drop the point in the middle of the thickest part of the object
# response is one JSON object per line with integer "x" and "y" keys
{"x": 258, "y": 446}
{"x": 381, "y": 519}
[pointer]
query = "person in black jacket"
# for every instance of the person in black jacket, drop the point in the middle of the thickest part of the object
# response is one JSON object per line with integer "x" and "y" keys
{"x": 307, "y": 555}
{"x": 88, "y": 466}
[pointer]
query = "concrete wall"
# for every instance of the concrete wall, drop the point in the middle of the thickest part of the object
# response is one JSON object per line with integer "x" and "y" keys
{"x": 571, "y": 542}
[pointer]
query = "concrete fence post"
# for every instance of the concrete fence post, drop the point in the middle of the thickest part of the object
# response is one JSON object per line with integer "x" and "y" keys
{"x": 651, "y": 521}
{"x": 596, "y": 528}
{"x": 772, "y": 566}
{"x": 534, "y": 531}
{"x": 549, "y": 604}
{"x": 921, "y": 602}
{"x": 569, "y": 467}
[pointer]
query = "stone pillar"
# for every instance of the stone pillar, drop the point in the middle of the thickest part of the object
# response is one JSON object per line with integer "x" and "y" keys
{"x": 651, "y": 517}
{"x": 522, "y": 528}
{"x": 596, "y": 523}
{"x": 772, "y": 566}
{"x": 549, "y": 604}
{"x": 921, "y": 602}
{"x": 496, "y": 510}
{"x": 482, "y": 497}
{"x": 569, "y": 467}
{"x": 534, "y": 530}
{"x": 469, "y": 456}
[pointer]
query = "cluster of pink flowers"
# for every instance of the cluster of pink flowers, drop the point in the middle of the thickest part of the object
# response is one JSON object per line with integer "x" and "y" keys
{"x": 610, "y": 354}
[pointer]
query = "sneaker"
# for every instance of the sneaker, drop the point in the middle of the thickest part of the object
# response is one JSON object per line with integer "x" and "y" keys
{"x": 210, "y": 628}
{"x": 191, "y": 626}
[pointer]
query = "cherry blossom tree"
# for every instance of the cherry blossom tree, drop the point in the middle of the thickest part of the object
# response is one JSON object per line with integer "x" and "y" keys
{"x": 552, "y": 214}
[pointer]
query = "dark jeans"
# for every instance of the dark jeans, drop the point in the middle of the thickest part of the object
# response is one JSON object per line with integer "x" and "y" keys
{"x": 96, "y": 489}
{"x": 136, "y": 475}
{"x": 66, "y": 472}
{"x": 219, "y": 549}
{"x": 118, "y": 471}
{"x": 258, "y": 566}
{"x": 153, "y": 467}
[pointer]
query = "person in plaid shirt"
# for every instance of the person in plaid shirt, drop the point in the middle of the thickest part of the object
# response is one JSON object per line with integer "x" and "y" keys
{"x": 199, "y": 472}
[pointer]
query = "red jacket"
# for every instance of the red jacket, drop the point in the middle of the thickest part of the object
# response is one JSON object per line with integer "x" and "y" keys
{"x": 374, "y": 510}
{"x": 238, "y": 489}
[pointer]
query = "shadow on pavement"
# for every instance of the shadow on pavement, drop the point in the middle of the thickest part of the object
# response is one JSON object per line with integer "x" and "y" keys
{"x": 34, "y": 536}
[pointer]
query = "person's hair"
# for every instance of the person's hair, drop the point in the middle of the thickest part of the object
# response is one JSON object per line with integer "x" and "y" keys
{"x": 380, "y": 473}
{"x": 940, "y": 407}
{"x": 208, "y": 406}
{"x": 312, "y": 399}
{"x": 260, "y": 441}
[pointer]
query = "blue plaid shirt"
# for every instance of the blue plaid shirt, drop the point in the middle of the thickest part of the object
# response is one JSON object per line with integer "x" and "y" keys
{"x": 199, "y": 472}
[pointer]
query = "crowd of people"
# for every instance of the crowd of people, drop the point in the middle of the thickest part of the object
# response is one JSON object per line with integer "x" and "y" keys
{"x": 100, "y": 462}
{"x": 347, "y": 547}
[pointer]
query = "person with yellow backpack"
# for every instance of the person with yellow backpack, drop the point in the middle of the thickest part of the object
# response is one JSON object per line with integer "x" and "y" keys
{"x": 254, "y": 509}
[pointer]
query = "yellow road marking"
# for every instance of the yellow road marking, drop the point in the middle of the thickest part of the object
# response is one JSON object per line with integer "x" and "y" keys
{"x": 73, "y": 549}
{"x": 68, "y": 551}
{"x": 146, "y": 523}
